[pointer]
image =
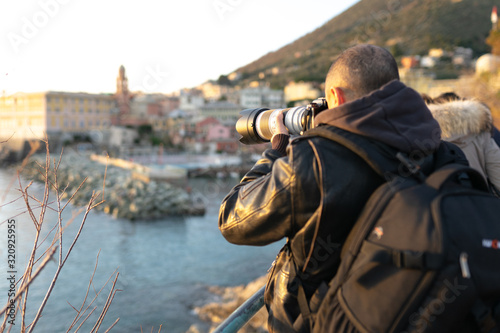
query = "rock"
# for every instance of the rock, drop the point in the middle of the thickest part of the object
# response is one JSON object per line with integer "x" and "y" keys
{"x": 230, "y": 298}
{"x": 124, "y": 196}
{"x": 194, "y": 329}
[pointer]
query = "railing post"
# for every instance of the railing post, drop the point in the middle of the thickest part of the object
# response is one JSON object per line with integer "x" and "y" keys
{"x": 242, "y": 314}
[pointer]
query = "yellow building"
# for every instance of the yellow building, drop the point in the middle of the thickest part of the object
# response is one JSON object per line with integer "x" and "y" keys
{"x": 299, "y": 91}
{"x": 27, "y": 116}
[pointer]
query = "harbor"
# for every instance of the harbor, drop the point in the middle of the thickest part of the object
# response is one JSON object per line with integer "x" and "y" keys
{"x": 131, "y": 190}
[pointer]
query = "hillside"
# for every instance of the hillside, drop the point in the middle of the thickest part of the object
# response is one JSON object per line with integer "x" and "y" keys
{"x": 403, "y": 26}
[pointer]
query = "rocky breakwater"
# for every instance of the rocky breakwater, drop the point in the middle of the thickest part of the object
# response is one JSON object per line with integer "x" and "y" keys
{"x": 125, "y": 196}
{"x": 228, "y": 299}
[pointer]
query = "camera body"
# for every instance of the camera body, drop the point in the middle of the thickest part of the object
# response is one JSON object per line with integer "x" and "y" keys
{"x": 257, "y": 125}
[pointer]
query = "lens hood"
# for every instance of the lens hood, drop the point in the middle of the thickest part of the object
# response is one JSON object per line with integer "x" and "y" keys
{"x": 246, "y": 126}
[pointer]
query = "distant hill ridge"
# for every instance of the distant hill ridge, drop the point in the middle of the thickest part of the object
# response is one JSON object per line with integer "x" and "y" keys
{"x": 405, "y": 27}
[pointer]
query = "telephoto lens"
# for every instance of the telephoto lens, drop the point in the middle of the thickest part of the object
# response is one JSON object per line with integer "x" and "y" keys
{"x": 258, "y": 125}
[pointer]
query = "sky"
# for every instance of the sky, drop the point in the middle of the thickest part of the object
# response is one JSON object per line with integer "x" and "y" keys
{"x": 165, "y": 45}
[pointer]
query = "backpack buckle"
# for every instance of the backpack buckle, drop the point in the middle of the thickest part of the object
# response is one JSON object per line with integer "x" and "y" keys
{"x": 413, "y": 168}
{"x": 409, "y": 259}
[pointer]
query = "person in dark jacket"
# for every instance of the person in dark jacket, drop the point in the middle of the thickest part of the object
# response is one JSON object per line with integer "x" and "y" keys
{"x": 496, "y": 135}
{"x": 311, "y": 190}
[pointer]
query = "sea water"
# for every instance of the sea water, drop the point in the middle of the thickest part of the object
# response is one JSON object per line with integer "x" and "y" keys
{"x": 164, "y": 267}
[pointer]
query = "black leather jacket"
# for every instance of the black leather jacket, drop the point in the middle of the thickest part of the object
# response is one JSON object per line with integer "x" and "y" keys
{"x": 315, "y": 192}
{"x": 319, "y": 181}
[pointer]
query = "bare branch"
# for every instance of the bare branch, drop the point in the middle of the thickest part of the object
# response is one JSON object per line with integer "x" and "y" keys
{"x": 60, "y": 266}
{"x": 21, "y": 290}
{"x": 106, "y": 306}
{"x": 113, "y": 325}
{"x": 97, "y": 293}
{"x": 8, "y": 138}
{"x": 48, "y": 173}
{"x": 81, "y": 324}
{"x": 26, "y": 201}
{"x": 76, "y": 191}
{"x": 79, "y": 312}
{"x": 38, "y": 226}
{"x": 84, "y": 218}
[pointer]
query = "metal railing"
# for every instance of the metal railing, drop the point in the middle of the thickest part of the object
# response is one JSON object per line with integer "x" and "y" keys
{"x": 242, "y": 314}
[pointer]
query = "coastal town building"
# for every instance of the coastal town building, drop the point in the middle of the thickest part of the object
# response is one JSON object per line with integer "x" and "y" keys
{"x": 213, "y": 91}
{"x": 122, "y": 137}
{"x": 202, "y": 126}
{"x": 218, "y": 132}
{"x": 234, "y": 76}
{"x": 462, "y": 56}
{"x": 169, "y": 104}
{"x": 226, "y": 113}
{"x": 261, "y": 96}
{"x": 59, "y": 115}
{"x": 410, "y": 61}
{"x": 143, "y": 107}
{"x": 301, "y": 91}
{"x": 210, "y": 136}
{"x": 191, "y": 99}
{"x": 171, "y": 126}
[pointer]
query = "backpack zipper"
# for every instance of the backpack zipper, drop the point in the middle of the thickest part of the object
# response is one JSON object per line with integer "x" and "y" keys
{"x": 464, "y": 265}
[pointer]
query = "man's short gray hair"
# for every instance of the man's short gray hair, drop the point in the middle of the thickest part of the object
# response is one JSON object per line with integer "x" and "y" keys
{"x": 361, "y": 69}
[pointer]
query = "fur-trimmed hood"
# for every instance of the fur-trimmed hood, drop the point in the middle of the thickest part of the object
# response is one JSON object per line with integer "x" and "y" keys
{"x": 460, "y": 118}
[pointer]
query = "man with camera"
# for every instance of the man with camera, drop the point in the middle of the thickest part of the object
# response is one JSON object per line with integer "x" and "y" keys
{"x": 311, "y": 189}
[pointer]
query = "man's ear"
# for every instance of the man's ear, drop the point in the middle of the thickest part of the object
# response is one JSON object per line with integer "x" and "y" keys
{"x": 337, "y": 97}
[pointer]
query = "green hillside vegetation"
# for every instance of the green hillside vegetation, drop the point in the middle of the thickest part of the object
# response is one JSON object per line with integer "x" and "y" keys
{"x": 405, "y": 27}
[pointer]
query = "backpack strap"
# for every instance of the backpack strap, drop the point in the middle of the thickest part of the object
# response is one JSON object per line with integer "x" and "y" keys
{"x": 305, "y": 321}
{"x": 356, "y": 143}
{"x": 486, "y": 318}
{"x": 458, "y": 172}
{"x": 404, "y": 258}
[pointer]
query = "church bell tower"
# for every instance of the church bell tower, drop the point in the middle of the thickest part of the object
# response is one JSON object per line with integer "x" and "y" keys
{"x": 122, "y": 97}
{"x": 121, "y": 82}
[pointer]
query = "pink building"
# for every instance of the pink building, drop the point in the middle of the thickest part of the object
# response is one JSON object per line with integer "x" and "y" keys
{"x": 203, "y": 127}
{"x": 218, "y": 132}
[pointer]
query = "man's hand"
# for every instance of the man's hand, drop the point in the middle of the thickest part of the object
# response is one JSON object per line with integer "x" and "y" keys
{"x": 279, "y": 141}
{"x": 279, "y": 125}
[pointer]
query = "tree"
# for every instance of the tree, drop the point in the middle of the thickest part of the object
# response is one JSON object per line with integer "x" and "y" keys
{"x": 223, "y": 80}
{"x": 493, "y": 41}
{"x": 396, "y": 50}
